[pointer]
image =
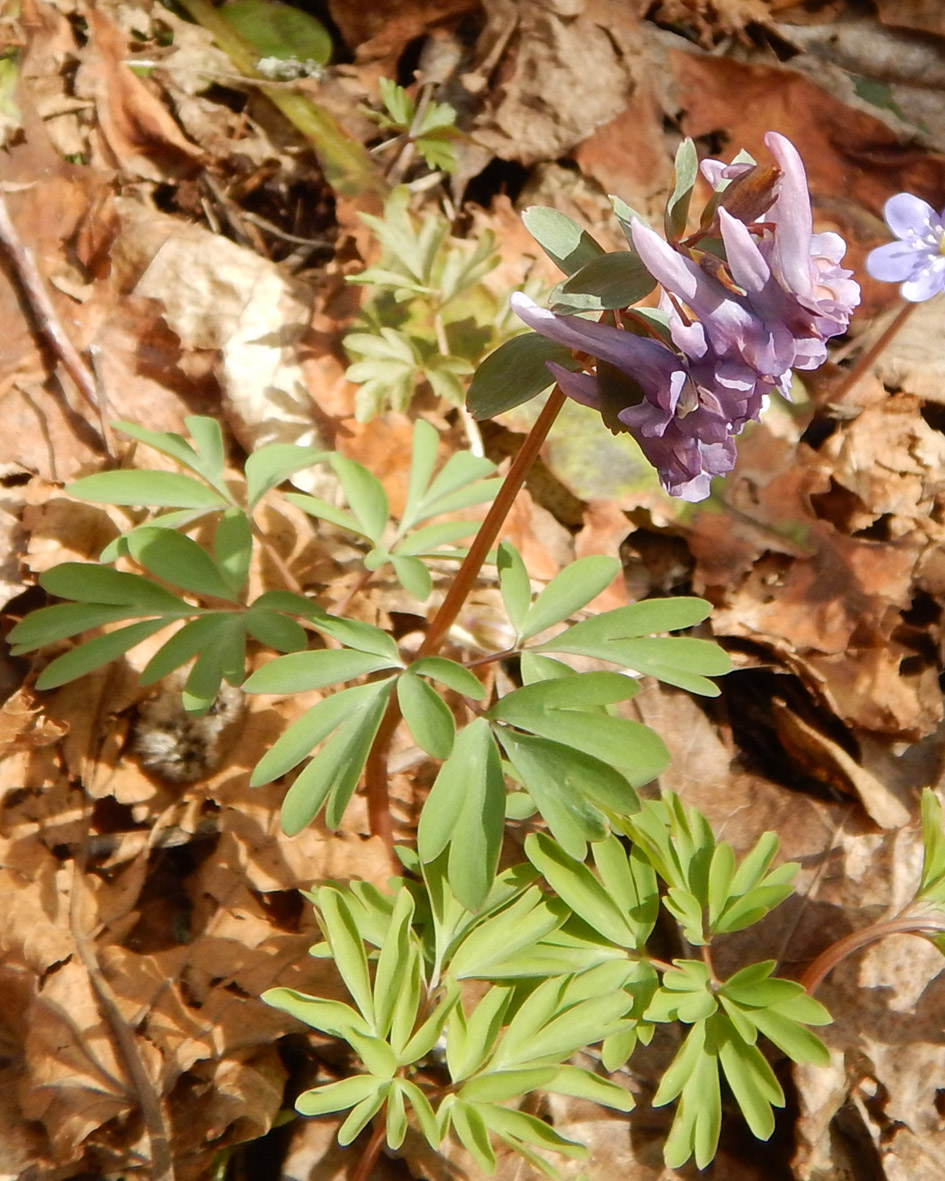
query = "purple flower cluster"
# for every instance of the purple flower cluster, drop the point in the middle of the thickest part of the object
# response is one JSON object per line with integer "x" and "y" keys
{"x": 736, "y": 330}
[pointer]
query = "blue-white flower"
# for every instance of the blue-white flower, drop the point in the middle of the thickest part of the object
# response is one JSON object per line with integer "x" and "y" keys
{"x": 917, "y": 259}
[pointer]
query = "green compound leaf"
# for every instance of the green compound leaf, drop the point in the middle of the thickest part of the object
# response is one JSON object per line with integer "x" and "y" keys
{"x": 332, "y": 774}
{"x": 88, "y": 582}
{"x": 623, "y": 919}
{"x": 454, "y": 676}
{"x": 675, "y": 660}
{"x": 275, "y": 630}
{"x": 752, "y": 1081}
{"x": 333, "y": 1017}
{"x": 157, "y": 489}
{"x": 95, "y": 653}
{"x": 323, "y": 511}
{"x": 562, "y": 1015}
{"x": 233, "y": 549}
{"x": 423, "y": 454}
{"x": 581, "y": 1084}
{"x": 222, "y": 658}
{"x": 339, "y": 1096}
{"x": 455, "y": 487}
{"x": 560, "y": 780}
{"x": 362, "y": 1114}
{"x": 428, "y": 540}
{"x": 427, "y": 715}
{"x": 179, "y": 560}
{"x": 413, "y": 576}
{"x": 347, "y": 950}
{"x": 274, "y": 463}
{"x": 567, "y": 245}
{"x": 470, "y": 1040}
{"x": 466, "y": 810}
{"x": 299, "y": 672}
{"x": 49, "y": 624}
{"x": 364, "y": 637}
{"x": 614, "y": 280}
{"x": 519, "y": 1129}
{"x": 568, "y": 591}
{"x": 515, "y": 373}
{"x": 500, "y": 947}
{"x": 500, "y": 1085}
{"x": 693, "y": 1076}
{"x": 470, "y": 1128}
{"x": 514, "y": 584}
{"x": 186, "y": 643}
{"x": 365, "y": 495}
{"x": 585, "y": 692}
{"x": 630, "y": 748}
{"x": 294, "y": 744}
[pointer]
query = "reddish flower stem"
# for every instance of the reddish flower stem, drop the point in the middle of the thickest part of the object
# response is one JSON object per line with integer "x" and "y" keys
{"x": 864, "y": 363}
{"x": 372, "y": 1150}
{"x": 905, "y": 924}
{"x": 375, "y": 771}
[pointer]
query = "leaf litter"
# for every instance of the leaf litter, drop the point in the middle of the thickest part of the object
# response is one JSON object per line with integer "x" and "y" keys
{"x": 195, "y": 256}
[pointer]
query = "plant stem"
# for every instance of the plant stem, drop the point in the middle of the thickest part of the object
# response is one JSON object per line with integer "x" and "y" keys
{"x": 490, "y": 527}
{"x": 865, "y": 362}
{"x": 375, "y": 770}
{"x": 372, "y": 1150}
{"x": 904, "y": 924}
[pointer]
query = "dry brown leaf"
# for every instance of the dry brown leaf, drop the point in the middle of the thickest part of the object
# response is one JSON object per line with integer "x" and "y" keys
{"x": 138, "y": 133}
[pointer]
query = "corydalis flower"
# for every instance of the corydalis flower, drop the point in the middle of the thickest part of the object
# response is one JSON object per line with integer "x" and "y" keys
{"x": 737, "y": 327}
{"x": 790, "y": 295}
{"x": 917, "y": 260}
{"x": 679, "y": 411}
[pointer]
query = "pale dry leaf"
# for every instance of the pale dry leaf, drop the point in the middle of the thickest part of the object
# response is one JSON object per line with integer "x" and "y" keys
{"x": 221, "y": 297}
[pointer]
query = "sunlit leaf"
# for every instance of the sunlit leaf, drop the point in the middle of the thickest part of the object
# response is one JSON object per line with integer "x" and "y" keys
{"x": 568, "y": 591}
{"x": 514, "y": 373}
{"x": 427, "y": 715}
{"x": 272, "y": 464}
{"x": 365, "y": 495}
{"x": 567, "y": 245}
{"x": 94, "y": 653}
{"x": 179, "y": 560}
{"x": 160, "y": 489}
{"x": 466, "y": 810}
{"x": 299, "y": 672}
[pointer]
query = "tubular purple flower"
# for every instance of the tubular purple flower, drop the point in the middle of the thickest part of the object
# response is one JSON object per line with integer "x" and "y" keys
{"x": 805, "y": 264}
{"x": 737, "y": 325}
{"x": 730, "y": 324}
{"x": 650, "y": 363}
{"x": 917, "y": 259}
{"x": 690, "y": 407}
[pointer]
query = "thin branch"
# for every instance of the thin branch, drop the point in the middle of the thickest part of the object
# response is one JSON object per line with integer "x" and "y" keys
{"x": 45, "y": 317}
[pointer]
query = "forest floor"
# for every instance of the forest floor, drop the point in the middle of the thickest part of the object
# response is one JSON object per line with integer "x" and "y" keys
{"x": 192, "y": 244}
